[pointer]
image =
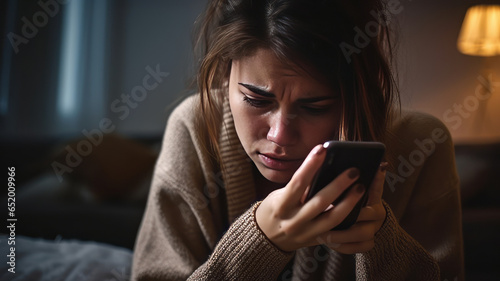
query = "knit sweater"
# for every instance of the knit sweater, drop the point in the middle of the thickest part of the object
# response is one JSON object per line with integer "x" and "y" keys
{"x": 199, "y": 222}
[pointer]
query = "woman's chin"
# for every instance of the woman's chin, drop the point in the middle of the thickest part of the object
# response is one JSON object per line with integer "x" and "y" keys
{"x": 276, "y": 176}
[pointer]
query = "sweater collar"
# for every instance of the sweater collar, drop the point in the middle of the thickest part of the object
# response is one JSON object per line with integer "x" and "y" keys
{"x": 237, "y": 172}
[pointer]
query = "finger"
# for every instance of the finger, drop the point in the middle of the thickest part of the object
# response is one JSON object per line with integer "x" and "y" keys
{"x": 372, "y": 213}
{"x": 377, "y": 186}
{"x": 322, "y": 200}
{"x": 338, "y": 213}
{"x": 359, "y": 232}
{"x": 304, "y": 174}
{"x": 353, "y": 248}
{"x": 303, "y": 199}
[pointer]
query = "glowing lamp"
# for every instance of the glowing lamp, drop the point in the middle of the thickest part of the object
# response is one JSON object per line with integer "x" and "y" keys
{"x": 480, "y": 33}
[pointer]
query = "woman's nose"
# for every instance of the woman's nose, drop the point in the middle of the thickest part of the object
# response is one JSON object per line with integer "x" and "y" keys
{"x": 282, "y": 128}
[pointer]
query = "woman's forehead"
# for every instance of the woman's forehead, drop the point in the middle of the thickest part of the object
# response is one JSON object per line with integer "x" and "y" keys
{"x": 265, "y": 64}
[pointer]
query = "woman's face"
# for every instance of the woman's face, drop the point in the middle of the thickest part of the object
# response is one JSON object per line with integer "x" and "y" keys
{"x": 280, "y": 113}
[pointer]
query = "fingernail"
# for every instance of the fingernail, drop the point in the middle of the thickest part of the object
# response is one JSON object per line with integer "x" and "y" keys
{"x": 360, "y": 188}
{"x": 383, "y": 166}
{"x": 318, "y": 149}
{"x": 353, "y": 173}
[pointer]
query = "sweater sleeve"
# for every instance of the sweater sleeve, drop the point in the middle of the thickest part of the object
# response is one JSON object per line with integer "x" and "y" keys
{"x": 396, "y": 256}
{"x": 255, "y": 257}
{"x": 180, "y": 235}
{"x": 421, "y": 238}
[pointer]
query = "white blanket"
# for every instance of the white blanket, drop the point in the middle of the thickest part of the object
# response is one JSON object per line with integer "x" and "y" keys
{"x": 54, "y": 260}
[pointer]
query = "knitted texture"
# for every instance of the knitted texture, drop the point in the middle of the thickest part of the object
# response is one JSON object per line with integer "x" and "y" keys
{"x": 199, "y": 222}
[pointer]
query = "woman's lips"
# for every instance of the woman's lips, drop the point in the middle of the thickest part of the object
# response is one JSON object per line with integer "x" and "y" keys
{"x": 279, "y": 163}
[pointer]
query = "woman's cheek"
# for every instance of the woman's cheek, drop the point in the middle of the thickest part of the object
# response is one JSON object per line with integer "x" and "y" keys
{"x": 324, "y": 129}
{"x": 246, "y": 125}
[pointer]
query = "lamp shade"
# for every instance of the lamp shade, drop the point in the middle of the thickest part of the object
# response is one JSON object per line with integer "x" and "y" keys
{"x": 480, "y": 33}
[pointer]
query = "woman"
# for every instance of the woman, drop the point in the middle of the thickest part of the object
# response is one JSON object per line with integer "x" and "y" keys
{"x": 276, "y": 80}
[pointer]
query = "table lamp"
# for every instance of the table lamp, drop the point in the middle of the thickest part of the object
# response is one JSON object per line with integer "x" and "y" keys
{"x": 480, "y": 33}
{"x": 480, "y": 36}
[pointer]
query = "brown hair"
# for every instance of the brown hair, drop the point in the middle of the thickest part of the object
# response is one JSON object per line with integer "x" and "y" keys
{"x": 320, "y": 33}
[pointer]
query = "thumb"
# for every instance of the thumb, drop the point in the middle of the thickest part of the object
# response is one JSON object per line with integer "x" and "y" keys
{"x": 305, "y": 173}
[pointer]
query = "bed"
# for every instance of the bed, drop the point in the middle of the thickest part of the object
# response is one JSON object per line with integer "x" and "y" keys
{"x": 84, "y": 227}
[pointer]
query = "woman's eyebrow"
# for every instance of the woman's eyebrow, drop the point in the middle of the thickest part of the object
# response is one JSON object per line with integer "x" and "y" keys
{"x": 267, "y": 94}
{"x": 258, "y": 90}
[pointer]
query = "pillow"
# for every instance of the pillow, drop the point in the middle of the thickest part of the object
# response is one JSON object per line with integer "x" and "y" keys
{"x": 113, "y": 168}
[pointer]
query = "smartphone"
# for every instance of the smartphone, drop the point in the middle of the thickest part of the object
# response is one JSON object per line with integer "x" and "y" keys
{"x": 340, "y": 156}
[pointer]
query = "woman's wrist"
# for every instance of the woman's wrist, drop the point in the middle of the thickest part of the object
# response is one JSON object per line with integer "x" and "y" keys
{"x": 254, "y": 214}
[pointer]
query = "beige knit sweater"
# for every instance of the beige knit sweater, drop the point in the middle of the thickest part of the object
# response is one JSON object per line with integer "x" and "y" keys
{"x": 199, "y": 222}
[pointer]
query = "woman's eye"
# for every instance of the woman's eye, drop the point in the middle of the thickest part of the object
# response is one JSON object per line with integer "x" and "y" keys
{"x": 256, "y": 102}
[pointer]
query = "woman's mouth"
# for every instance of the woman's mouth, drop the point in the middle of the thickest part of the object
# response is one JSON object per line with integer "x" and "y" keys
{"x": 280, "y": 163}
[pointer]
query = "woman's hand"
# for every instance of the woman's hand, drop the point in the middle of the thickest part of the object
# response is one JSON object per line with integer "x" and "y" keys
{"x": 292, "y": 224}
{"x": 360, "y": 237}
